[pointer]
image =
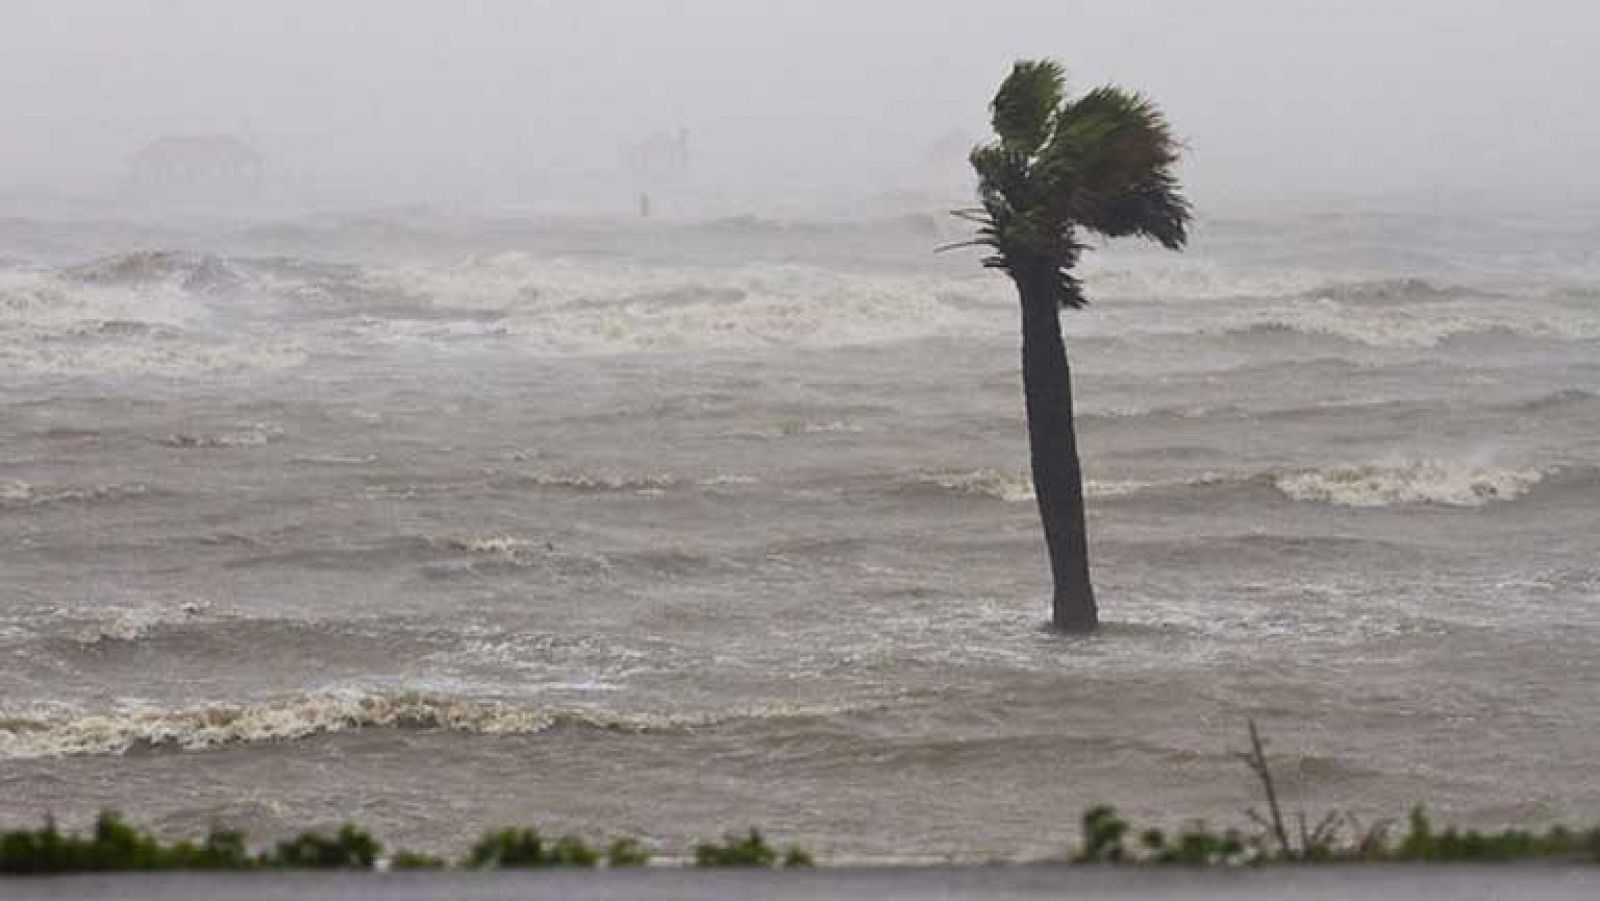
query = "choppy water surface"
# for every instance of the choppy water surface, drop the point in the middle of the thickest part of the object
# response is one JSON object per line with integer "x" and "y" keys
{"x": 442, "y": 524}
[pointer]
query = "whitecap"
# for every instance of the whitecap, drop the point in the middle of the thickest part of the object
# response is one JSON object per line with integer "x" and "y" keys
{"x": 53, "y": 733}
{"x": 1417, "y": 482}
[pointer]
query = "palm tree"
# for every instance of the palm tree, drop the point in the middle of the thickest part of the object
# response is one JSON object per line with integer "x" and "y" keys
{"x": 1099, "y": 164}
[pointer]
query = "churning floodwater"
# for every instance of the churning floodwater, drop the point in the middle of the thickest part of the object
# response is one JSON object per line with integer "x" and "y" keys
{"x": 441, "y": 523}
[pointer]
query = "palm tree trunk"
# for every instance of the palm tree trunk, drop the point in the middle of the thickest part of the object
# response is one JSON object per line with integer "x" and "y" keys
{"x": 1057, "y": 477}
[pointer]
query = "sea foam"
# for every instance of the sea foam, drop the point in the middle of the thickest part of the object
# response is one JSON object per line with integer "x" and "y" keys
{"x": 562, "y": 306}
{"x": 58, "y": 734}
{"x": 14, "y": 493}
{"x": 1418, "y": 482}
{"x": 53, "y": 324}
{"x": 1017, "y": 487}
{"x": 1378, "y": 485}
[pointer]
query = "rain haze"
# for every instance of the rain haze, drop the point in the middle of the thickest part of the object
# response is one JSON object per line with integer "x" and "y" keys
{"x": 462, "y": 416}
{"x": 529, "y": 102}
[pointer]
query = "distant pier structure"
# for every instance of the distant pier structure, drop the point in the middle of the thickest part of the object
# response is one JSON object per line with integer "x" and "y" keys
{"x": 196, "y": 160}
{"x": 659, "y": 155}
{"x": 658, "y": 165}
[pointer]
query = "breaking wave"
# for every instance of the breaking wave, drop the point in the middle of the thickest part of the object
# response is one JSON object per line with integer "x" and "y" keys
{"x": 1419, "y": 482}
{"x": 22, "y": 494}
{"x": 833, "y": 426}
{"x": 47, "y": 302}
{"x": 1004, "y": 486}
{"x": 489, "y": 544}
{"x": 166, "y": 311}
{"x": 601, "y": 481}
{"x": 562, "y": 306}
{"x": 1409, "y": 327}
{"x": 192, "y": 272}
{"x": 48, "y": 734}
{"x": 1199, "y": 280}
{"x": 248, "y": 436}
{"x": 131, "y": 624}
{"x": 130, "y": 314}
{"x": 510, "y": 550}
{"x": 1157, "y": 280}
{"x": 1388, "y": 290}
{"x": 1017, "y": 487}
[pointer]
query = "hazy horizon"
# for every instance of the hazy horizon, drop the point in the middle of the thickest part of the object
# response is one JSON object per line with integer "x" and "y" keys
{"x": 817, "y": 103}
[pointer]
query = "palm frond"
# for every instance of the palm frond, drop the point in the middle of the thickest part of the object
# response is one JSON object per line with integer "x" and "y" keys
{"x": 1002, "y": 173}
{"x": 957, "y": 245}
{"x": 1154, "y": 209}
{"x": 1026, "y": 104}
{"x": 1102, "y": 163}
{"x": 1106, "y": 144}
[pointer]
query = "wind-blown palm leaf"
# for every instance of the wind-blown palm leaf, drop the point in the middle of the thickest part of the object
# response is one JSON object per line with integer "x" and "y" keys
{"x": 1111, "y": 129}
{"x": 1003, "y": 174}
{"x": 1102, "y": 163}
{"x": 1026, "y": 103}
{"x": 1109, "y": 165}
{"x": 1153, "y": 209}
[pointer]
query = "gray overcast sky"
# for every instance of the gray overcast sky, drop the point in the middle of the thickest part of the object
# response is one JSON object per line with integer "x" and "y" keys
{"x": 1279, "y": 99}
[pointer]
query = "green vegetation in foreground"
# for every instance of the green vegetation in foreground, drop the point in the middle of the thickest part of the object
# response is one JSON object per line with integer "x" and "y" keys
{"x": 413, "y": 860}
{"x": 524, "y": 848}
{"x": 750, "y": 851}
{"x": 1334, "y": 838}
{"x": 627, "y": 852}
{"x": 115, "y": 846}
{"x": 1197, "y": 845}
{"x": 350, "y": 849}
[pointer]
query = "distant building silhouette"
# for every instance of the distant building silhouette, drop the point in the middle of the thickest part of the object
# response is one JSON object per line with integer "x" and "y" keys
{"x": 215, "y": 159}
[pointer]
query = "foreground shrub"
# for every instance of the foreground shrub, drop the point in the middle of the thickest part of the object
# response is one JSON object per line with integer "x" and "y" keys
{"x": 750, "y": 851}
{"x": 1423, "y": 845}
{"x": 1195, "y": 846}
{"x": 221, "y": 850}
{"x": 1102, "y": 836}
{"x": 349, "y": 849}
{"x": 525, "y": 848}
{"x": 413, "y": 860}
{"x": 1326, "y": 842}
{"x": 570, "y": 851}
{"x": 627, "y": 852}
{"x": 114, "y": 845}
{"x": 1333, "y": 840}
{"x": 507, "y": 848}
